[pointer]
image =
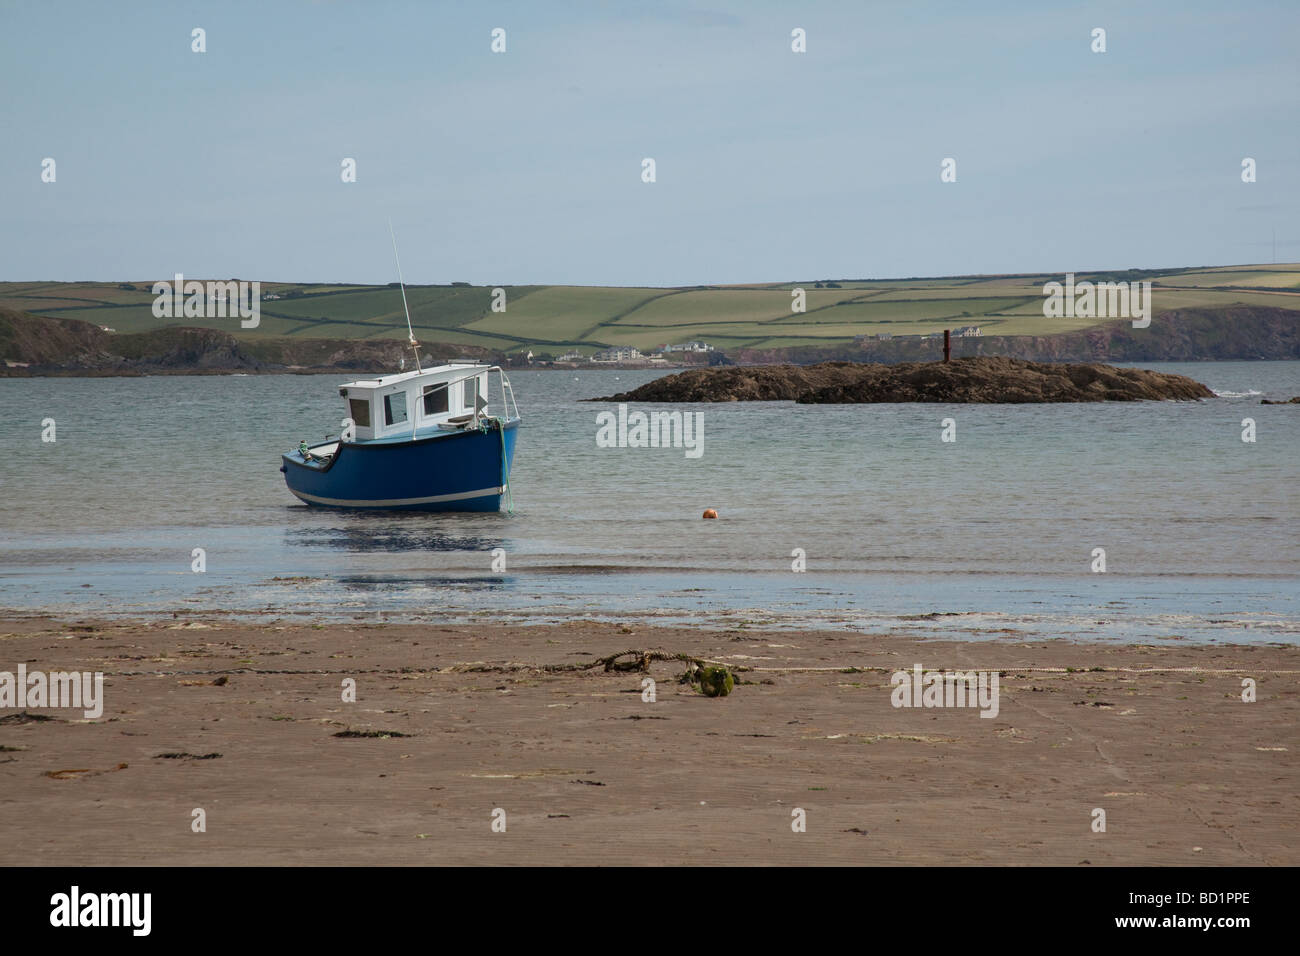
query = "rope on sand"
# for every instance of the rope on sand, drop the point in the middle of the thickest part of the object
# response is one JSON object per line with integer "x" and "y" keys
{"x": 639, "y": 661}
{"x": 711, "y": 678}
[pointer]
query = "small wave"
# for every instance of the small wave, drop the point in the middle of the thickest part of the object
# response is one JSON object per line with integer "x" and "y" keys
{"x": 1246, "y": 394}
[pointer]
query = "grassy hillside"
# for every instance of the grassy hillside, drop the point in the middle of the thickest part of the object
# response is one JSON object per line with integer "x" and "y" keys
{"x": 559, "y": 318}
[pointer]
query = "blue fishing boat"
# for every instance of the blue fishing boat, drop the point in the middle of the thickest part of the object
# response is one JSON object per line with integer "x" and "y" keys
{"x": 427, "y": 440}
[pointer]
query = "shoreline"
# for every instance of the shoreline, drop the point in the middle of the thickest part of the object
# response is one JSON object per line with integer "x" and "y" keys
{"x": 590, "y": 773}
{"x": 971, "y": 606}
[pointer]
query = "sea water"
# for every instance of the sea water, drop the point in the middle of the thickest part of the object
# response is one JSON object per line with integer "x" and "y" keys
{"x": 994, "y": 534}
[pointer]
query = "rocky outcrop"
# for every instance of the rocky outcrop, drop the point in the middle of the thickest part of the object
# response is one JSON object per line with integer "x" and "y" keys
{"x": 732, "y": 383}
{"x": 984, "y": 379}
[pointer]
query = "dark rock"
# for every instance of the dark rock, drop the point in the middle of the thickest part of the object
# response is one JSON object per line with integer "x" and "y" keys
{"x": 984, "y": 380}
{"x": 767, "y": 383}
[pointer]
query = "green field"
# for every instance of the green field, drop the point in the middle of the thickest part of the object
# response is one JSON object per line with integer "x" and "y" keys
{"x": 557, "y": 319}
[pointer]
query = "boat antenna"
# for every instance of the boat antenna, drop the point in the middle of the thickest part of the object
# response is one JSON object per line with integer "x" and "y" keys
{"x": 415, "y": 346}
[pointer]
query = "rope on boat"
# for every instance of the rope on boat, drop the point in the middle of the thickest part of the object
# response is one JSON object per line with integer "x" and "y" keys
{"x": 505, "y": 469}
{"x": 505, "y": 465}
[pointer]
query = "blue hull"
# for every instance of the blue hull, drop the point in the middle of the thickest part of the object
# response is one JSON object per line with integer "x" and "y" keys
{"x": 443, "y": 471}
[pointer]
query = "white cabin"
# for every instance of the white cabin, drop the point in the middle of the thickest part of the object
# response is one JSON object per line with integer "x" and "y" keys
{"x": 401, "y": 405}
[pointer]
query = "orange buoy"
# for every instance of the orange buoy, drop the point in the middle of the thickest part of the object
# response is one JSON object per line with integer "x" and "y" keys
{"x": 710, "y": 513}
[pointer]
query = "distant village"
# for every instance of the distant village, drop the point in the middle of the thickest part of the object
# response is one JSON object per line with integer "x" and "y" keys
{"x": 626, "y": 354}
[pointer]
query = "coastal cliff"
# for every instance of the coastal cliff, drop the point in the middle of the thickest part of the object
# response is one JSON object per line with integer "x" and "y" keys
{"x": 1227, "y": 333}
{"x": 36, "y": 345}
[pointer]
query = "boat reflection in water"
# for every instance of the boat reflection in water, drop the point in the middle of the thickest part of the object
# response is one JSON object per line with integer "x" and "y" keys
{"x": 367, "y": 533}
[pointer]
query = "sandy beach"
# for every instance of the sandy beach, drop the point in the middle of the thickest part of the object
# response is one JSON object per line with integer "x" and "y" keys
{"x": 248, "y": 723}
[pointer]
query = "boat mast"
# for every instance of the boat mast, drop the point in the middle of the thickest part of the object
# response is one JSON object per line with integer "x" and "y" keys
{"x": 415, "y": 346}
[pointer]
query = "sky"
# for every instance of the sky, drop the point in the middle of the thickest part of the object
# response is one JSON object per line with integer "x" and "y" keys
{"x": 526, "y": 166}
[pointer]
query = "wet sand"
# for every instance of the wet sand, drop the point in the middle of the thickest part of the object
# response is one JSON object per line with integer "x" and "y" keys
{"x": 587, "y": 772}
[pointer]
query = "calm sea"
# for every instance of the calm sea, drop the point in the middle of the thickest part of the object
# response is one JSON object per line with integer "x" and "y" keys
{"x": 992, "y": 535}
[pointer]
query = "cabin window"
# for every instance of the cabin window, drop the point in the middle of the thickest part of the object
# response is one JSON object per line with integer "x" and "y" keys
{"x": 395, "y": 408}
{"x": 435, "y": 399}
{"x": 359, "y": 411}
{"x": 471, "y": 393}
